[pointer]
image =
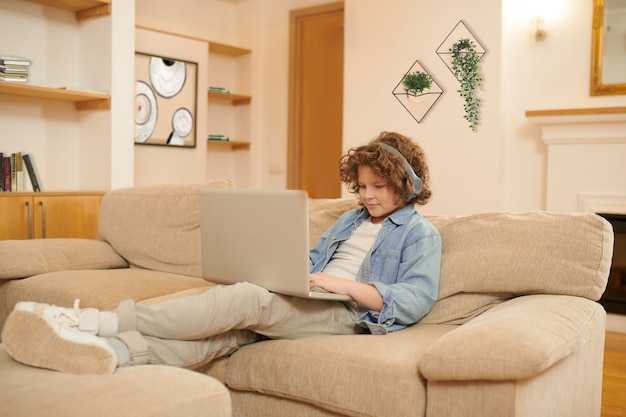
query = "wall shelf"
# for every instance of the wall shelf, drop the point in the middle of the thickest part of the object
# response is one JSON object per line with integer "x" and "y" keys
{"x": 235, "y": 99}
{"x": 234, "y": 145}
{"x": 84, "y": 9}
{"x": 85, "y": 100}
{"x": 214, "y": 47}
{"x": 221, "y": 48}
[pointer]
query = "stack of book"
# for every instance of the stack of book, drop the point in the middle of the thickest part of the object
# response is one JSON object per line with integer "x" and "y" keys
{"x": 12, "y": 167}
{"x": 14, "y": 69}
{"x": 219, "y": 137}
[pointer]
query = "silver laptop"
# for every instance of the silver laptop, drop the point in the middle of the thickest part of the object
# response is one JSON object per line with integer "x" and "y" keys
{"x": 258, "y": 236}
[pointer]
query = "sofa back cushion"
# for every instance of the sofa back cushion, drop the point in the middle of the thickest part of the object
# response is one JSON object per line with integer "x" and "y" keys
{"x": 156, "y": 227}
{"x": 324, "y": 212}
{"x": 488, "y": 258}
{"x": 492, "y": 257}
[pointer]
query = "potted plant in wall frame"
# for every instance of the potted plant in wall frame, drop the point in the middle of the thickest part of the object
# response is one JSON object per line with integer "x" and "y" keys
{"x": 416, "y": 82}
{"x": 465, "y": 68}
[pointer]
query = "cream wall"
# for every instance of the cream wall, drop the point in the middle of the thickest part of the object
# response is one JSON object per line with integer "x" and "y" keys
{"x": 156, "y": 165}
{"x": 263, "y": 27}
{"x": 466, "y": 168}
{"x": 503, "y": 165}
{"x": 553, "y": 74}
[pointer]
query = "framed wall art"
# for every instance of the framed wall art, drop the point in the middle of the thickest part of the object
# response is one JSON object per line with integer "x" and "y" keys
{"x": 165, "y": 101}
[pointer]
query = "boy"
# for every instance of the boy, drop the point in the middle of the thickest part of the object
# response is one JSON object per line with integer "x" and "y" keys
{"x": 385, "y": 255}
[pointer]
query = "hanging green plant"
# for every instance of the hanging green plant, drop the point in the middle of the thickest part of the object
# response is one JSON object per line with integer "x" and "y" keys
{"x": 416, "y": 82}
{"x": 465, "y": 68}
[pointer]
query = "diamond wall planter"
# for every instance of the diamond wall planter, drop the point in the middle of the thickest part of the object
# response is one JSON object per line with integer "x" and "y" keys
{"x": 419, "y": 105}
{"x": 460, "y": 31}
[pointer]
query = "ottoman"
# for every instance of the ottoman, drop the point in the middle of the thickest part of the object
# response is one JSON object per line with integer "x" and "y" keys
{"x": 140, "y": 391}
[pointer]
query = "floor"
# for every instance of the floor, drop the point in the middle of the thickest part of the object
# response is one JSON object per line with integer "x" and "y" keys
{"x": 614, "y": 376}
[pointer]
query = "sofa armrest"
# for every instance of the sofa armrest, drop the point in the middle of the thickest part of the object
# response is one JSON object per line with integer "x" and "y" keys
{"x": 25, "y": 258}
{"x": 517, "y": 339}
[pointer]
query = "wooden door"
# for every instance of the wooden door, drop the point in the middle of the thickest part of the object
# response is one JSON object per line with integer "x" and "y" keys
{"x": 316, "y": 100}
{"x": 68, "y": 216}
{"x": 15, "y": 216}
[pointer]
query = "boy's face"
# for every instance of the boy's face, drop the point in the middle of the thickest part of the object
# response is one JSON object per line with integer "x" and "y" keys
{"x": 374, "y": 191}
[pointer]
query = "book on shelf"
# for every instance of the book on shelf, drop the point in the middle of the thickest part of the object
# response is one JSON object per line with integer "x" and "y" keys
{"x": 6, "y": 174}
{"x": 10, "y": 69}
{"x": 13, "y": 173}
{"x": 19, "y": 172}
{"x": 219, "y": 137}
{"x": 12, "y": 167}
{"x": 13, "y": 78}
{"x": 14, "y": 60}
{"x": 31, "y": 172}
{"x": 14, "y": 69}
{"x": 220, "y": 90}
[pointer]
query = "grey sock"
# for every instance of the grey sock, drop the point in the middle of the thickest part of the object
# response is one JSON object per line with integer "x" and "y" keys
{"x": 121, "y": 351}
{"x": 107, "y": 323}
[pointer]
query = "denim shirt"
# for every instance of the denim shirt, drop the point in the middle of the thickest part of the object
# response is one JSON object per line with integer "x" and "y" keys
{"x": 403, "y": 264}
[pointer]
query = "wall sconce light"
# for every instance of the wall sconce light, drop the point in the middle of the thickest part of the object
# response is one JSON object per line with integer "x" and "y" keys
{"x": 540, "y": 31}
{"x": 542, "y": 14}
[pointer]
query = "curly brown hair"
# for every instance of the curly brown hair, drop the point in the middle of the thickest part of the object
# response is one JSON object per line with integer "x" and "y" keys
{"x": 388, "y": 165}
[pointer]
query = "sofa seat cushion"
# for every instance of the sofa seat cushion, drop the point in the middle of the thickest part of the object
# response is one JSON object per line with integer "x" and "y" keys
{"x": 356, "y": 375}
{"x": 102, "y": 289}
{"x": 139, "y": 391}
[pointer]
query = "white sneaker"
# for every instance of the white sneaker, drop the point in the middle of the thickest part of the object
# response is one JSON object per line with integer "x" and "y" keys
{"x": 47, "y": 336}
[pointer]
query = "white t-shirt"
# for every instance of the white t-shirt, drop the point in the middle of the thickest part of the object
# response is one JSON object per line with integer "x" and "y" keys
{"x": 348, "y": 257}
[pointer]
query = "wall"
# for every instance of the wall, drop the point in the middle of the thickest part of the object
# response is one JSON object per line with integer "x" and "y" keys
{"x": 212, "y": 20}
{"x": 71, "y": 150}
{"x": 461, "y": 161}
{"x": 503, "y": 165}
{"x": 555, "y": 76}
{"x": 263, "y": 27}
{"x": 155, "y": 165}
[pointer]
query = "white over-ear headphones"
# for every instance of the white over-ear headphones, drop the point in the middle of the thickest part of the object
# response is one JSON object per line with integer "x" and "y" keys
{"x": 417, "y": 181}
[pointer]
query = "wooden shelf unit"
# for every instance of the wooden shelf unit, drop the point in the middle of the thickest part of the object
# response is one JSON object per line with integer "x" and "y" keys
{"x": 232, "y": 98}
{"x": 235, "y": 99}
{"x": 85, "y": 100}
{"x": 215, "y": 47}
{"x": 234, "y": 145}
{"x": 84, "y": 9}
{"x": 224, "y": 49}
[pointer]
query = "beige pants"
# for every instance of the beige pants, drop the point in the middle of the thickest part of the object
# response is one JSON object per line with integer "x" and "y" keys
{"x": 194, "y": 330}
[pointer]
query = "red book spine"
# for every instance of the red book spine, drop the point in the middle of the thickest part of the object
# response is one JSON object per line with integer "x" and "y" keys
{"x": 7, "y": 173}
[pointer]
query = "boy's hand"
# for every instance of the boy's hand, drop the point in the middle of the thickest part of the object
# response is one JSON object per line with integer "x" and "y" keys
{"x": 364, "y": 294}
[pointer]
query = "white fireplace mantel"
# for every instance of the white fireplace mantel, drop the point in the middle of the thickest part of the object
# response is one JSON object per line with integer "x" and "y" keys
{"x": 586, "y": 169}
{"x": 576, "y": 126}
{"x": 586, "y": 157}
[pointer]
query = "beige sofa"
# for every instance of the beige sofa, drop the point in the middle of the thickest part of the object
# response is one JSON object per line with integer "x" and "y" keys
{"x": 516, "y": 330}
